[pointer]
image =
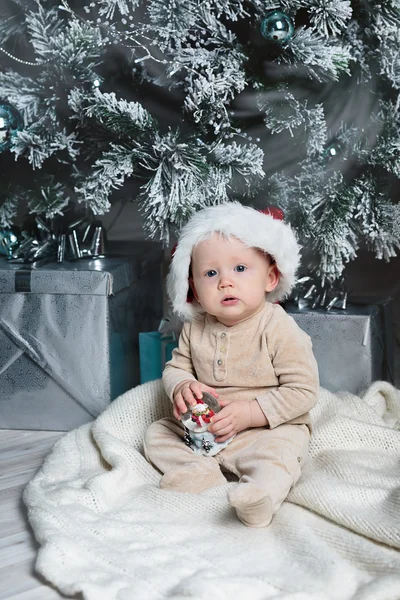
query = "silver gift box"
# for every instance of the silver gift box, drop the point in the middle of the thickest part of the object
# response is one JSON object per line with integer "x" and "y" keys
{"x": 69, "y": 335}
{"x": 353, "y": 347}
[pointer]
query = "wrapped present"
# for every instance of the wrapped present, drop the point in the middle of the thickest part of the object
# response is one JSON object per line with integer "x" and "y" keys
{"x": 155, "y": 349}
{"x": 353, "y": 347}
{"x": 69, "y": 335}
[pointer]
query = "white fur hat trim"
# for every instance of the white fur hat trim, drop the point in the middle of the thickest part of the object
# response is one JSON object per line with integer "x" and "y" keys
{"x": 253, "y": 228}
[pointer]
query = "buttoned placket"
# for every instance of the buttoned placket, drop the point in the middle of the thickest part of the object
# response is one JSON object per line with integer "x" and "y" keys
{"x": 221, "y": 356}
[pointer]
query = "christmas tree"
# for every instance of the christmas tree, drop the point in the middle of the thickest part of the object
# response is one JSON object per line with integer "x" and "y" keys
{"x": 293, "y": 104}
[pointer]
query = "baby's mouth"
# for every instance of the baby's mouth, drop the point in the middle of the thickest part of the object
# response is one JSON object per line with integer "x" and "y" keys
{"x": 228, "y": 300}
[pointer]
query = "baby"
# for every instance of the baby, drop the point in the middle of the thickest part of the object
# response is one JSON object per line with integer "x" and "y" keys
{"x": 231, "y": 265}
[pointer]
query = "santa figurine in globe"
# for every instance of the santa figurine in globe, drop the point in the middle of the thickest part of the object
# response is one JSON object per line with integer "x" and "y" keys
{"x": 196, "y": 422}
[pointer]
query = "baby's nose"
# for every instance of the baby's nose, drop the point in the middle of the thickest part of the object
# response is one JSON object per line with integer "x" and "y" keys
{"x": 225, "y": 281}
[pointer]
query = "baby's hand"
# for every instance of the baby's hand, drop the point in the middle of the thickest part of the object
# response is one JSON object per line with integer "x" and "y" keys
{"x": 234, "y": 417}
{"x": 187, "y": 393}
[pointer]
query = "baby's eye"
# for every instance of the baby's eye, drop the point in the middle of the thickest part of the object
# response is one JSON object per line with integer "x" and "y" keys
{"x": 240, "y": 268}
{"x": 211, "y": 273}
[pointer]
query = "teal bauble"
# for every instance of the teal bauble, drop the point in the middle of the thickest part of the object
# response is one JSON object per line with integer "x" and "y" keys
{"x": 277, "y": 27}
{"x": 11, "y": 122}
{"x": 8, "y": 241}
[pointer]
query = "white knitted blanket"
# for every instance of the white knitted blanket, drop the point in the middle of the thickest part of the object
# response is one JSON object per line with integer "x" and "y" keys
{"x": 106, "y": 529}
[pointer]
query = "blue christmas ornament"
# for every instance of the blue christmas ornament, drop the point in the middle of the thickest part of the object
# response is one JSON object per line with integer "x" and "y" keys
{"x": 8, "y": 241}
{"x": 11, "y": 122}
{"x": 277, "y": 27}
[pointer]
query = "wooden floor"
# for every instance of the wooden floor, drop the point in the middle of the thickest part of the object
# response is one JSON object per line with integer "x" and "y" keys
{"x": 21, "y": 454}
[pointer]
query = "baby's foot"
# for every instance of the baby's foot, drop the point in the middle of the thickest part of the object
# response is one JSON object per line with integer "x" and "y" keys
{"x": 253, "y": 507}
{"x": 191, "y": 478}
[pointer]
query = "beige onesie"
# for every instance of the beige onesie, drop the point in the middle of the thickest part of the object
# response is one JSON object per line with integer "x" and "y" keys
{"x": 266, "y": 357}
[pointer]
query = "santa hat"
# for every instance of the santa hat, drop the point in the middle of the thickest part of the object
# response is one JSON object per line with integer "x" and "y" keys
{"x": 254, "y": 228}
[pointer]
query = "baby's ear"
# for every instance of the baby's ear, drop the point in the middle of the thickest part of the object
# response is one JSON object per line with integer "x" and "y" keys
{"x": 273, "y": 278}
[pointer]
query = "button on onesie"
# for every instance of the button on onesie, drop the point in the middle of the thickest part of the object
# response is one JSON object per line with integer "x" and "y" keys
{"x": 221, "y": 355}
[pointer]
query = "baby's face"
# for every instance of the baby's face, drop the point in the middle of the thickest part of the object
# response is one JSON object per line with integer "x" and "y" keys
{"x": 230, "y": 280}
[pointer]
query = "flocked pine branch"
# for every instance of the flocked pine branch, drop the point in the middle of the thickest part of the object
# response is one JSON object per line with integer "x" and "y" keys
{"x": 37, "y": 147}
{"x": 12, "y": 24}
{"x": 109, "y": 173}
{"x": 77, "y": 52}
{"x": 230, "y": 9}
{"x": 171, "y": 20}
{"x": 211, "y": 74}
{"x": 329, "y": 17}
{"x": 50, "y": 200}
{"x": 216, "y": 188}
{"x": 390, "y": 58}
{"x": 23, "y": 93}
{"x": 47, "y": 198}
{"x": 322, "y": 60}
{"x": 321, "y": 215}
{"x": 386, "y": 150}
{"x": 246, "y": 160}
{"x": 176, "y": 189}
{"x": 288, "y": 6}
{"x": 9, "y": 207}
{"x": 125, "y": 119}
{"x": 293, "y": 114}
{"x": 43, "y": 26}
{"x": 385, "y": 20}
{"x": 354, "y": 37}
{"x": 336, "y": 239}
{"x": 212, "y": 84}
{"x": 375, "y": 218}
{"x": 189, "y": 177}
{"x": 74, "y": 49}
{"x": 107, "y": 8}
{"x": 395, "y": 208}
